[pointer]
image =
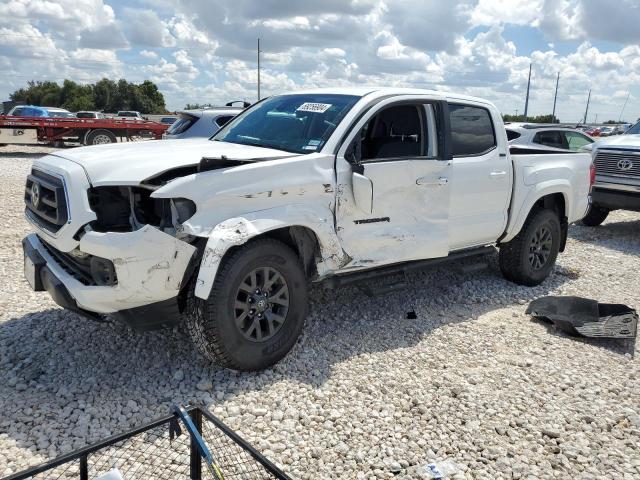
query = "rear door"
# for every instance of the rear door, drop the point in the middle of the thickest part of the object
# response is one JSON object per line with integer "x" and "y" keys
{"x": 482, "y": 175}
{"x": 393, "y": 184}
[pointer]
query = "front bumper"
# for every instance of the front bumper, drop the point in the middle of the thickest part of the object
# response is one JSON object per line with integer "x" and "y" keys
{"x": 616, "y": 199}
{"x": 149, "y": 264}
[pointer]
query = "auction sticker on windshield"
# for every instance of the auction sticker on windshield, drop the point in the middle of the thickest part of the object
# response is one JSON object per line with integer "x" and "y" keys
{"x": 313, "y": 107}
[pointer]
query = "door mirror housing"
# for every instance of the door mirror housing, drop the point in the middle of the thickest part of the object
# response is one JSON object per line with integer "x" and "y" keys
{"x": 362, "y": 192}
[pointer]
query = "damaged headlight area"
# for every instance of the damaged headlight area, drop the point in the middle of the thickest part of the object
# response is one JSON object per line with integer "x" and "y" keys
{"x": 126, "y": 209}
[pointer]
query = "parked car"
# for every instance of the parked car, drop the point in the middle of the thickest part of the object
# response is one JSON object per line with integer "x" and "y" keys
{"x": 546, "y": 137}
{"x": 130, "y": 114}
{"x": 34, "y": 111}
{"x": 200, "y": 123}
{"x": 335, "y": 185}
{"x": 617, "y": 183}
{"x": 88, "y": 114}
{"x": 607, "y": 131}
{"x": 593, "y": 132}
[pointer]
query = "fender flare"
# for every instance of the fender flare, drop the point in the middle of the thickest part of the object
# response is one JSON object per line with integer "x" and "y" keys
{"x": 239, "y": 230}
{"x": 541, "y": 190}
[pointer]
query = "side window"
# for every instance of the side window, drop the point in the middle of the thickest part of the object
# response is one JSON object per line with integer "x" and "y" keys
{"x": 221, "y": 121}
{"x": 472, "y": 131}
{"x": 512, "y": 134}
{"x": 17, "y": 112}
{"x": 575, "y": 140}
{"x": 551, "y": 138}
{"x": 395, "y": 132}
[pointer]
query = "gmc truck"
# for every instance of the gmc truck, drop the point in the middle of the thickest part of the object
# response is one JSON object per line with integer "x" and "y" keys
{"x": 334, "y": 185}
{"x": 617, "y": 186}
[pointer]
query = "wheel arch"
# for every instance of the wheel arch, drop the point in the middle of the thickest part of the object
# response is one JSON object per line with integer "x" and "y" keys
{"x": 315, "y": 243}
{"x": 554, "y": 197}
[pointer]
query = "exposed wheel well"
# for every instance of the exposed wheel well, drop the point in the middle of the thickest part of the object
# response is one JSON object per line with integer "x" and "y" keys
{"x": 303, "y": 241}
{"x": 555, "y": 202}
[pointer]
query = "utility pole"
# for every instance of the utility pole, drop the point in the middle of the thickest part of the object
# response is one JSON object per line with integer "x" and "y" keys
{"x": 258, "y": 69}
{"x": 526, "y": 102}
{"x": 625, "y": 104}
{"x": 555, "y": 97}
{"x": 596, "y": 120}
{"x": 587, "y": 110}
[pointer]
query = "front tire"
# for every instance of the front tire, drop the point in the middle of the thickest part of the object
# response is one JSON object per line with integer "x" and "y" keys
{"x": 256, "y": 309}
{"x": 530, "y": 256}
{"x": 595, "y": 216}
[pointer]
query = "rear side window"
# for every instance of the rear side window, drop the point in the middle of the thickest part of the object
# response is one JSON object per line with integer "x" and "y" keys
{"x": 221, "y": 121}
{"x": 551, "y": 138}
{"x": 512, "y": 135}
{"x": 472, "y": 130}
{"x": 182, "y": 124}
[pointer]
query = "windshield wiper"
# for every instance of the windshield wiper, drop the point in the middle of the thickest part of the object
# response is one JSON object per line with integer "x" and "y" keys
{"x": 259, "y": 144}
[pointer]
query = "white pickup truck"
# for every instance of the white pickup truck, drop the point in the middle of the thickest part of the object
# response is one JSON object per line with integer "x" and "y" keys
{"x": 331, "y": 185}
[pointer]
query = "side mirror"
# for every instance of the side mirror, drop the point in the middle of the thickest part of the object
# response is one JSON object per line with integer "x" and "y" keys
{"x": 362, "y": 192}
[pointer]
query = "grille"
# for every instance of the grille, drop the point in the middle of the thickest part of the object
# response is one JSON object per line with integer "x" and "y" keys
{"x": 45, "y": 200}
{"x": 607, "y": 163}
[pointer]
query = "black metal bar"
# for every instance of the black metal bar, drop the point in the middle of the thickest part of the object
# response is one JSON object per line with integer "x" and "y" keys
{"x": 270, "y": 467}
{"x": 84, "y": 468}
{"x": 361, "y": 275}
{"x": 195, "y": 464}
{"x": 75, "y": 455}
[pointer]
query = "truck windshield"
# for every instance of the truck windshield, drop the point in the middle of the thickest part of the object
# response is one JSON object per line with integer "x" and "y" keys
{"x": 294, "y": 123}
{"x": 635, "y": 130}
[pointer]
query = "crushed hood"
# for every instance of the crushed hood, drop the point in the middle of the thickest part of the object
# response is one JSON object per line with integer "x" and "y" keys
{"x": 132, "y": 162}
{"x": 625, "y": 142}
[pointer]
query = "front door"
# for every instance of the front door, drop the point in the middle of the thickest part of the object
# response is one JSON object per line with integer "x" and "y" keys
{"x": 393, "y": 185}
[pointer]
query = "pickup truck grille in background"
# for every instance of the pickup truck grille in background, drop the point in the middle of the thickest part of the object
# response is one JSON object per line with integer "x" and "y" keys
{"x": 45, "y": 200}
{"x": 610, "y": 163}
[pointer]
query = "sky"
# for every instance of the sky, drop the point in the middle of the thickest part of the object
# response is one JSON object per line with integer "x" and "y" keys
{"x": 204, "y": 51}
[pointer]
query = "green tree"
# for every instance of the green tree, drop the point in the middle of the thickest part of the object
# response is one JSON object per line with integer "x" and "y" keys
{"x": 537, "y": 119}
{"x": 105, "y": 95}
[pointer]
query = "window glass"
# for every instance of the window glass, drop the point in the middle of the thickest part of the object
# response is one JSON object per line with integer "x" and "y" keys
{"x": 512, "y": 134}
{"x": 221, "y": 121}
{"x": 182, "y": 124}
{"x": 17, "y": 112}
{"x": 299, "y": 123}
{"x": 635, "y": 130}
{"x": 471, "y": 130}
{"x": 551, "y": 138}
{"x": 392, "y": 133}
{"x": 576, "y": 141}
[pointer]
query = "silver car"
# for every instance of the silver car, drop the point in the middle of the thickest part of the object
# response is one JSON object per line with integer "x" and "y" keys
{"x": 200, "y": 123}
{"x": 547, "y": 137}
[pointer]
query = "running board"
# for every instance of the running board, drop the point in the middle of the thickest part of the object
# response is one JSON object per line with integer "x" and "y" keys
{"x": 337, "y": 281}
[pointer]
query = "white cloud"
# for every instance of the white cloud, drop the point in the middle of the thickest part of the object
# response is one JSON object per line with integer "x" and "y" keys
{"x": 197, "y": 53}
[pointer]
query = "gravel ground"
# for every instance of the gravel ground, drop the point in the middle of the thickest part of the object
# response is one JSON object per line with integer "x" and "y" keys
{"x": 367, "y": 392}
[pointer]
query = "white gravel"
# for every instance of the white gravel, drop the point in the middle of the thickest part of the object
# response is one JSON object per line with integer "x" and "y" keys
{"x": 367, "y": 393}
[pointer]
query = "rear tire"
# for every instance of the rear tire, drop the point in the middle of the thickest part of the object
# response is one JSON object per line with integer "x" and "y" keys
{"x": 595, "y": 216}
{"x": 256, "y": 309}
{"x": 100, "y": 137}
{"x": 530, "y": 256}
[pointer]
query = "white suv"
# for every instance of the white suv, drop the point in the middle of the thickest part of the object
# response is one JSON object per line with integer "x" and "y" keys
{"x": 536, "y": 137}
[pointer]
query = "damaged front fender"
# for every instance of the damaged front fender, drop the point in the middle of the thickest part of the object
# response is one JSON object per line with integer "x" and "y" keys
{"x": 239, "y": 230}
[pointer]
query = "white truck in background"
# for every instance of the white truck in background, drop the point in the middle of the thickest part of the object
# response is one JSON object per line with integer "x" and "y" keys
{"x": 333, "y": 185}
{"x": 617, "y": 186}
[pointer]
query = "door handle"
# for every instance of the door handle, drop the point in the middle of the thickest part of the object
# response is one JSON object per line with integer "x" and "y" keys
{"x": 497, "y": 174}
{"x": 428, "y": 181}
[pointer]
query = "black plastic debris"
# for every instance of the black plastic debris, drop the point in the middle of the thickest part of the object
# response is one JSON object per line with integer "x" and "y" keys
{"x": 411, "y": 315}
{"x": 586, "y": 317}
